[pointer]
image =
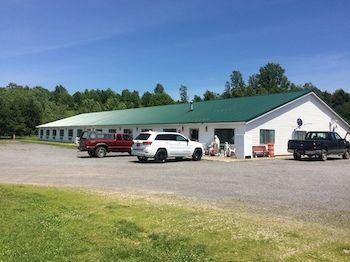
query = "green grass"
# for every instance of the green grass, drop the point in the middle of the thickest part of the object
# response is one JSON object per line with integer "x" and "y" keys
{"x": 41, "y": 223}
{"x": 35, "y": 140}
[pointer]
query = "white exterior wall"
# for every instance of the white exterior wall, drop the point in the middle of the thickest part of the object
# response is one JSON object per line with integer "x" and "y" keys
{"x": 315, "y": 115}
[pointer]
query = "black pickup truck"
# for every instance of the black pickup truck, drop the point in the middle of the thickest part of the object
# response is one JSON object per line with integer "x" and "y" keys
{"x": 321, "y": 145}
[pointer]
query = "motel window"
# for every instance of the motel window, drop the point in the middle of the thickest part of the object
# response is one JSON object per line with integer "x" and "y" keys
{"x": 112, "y": 131}
{"x": 41, "y": 133}
{"x": 98, "y": 130}
{"x": 79, "y": 132}
{"x": 169, "y": 130}
{"x": 299, "y": 135}
{"x": 145, "y": 129}
{"x": 47, "y": 132}
{"x": 70, "y": 134}
{"x": 61, "y": 133}
{"x": 128, "y": 131}
{"x": 54, "y": 132}
{"x": 225, "y": 135}
{"x": 267, "y": 136}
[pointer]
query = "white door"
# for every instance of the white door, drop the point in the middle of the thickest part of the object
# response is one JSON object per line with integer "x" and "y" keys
{"x": 183, "y": 148}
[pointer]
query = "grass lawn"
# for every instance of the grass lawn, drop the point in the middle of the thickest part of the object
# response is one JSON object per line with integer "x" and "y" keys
{"x": 34, "y": 139}
{"x": 42, "y": 223}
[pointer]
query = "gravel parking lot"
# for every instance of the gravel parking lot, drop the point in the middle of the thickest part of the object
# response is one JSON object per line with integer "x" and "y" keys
{"x": 282, "y": 183}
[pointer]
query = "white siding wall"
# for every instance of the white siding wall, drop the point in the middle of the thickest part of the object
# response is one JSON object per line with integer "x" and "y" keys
{"x": 315, "y": 116}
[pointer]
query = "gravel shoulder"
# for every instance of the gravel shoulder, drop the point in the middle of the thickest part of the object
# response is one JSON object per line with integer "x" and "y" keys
{"x": 308, "y": 189}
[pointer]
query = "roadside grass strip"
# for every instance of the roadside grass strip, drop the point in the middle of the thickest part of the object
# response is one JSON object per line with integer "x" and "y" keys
{"x": 47, "y": 223}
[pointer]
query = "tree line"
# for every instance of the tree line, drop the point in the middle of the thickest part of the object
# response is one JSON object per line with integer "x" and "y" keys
{"x": 22, "y": 107}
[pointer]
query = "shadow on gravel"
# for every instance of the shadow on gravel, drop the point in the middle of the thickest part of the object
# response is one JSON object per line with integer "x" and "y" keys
{"x": 107, "y": 156}
{"x": 306, "y": 159}
{"x": 167, "y": 161}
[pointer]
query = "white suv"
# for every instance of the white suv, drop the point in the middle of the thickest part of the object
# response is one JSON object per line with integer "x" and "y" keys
{"x": 162, "y": 145}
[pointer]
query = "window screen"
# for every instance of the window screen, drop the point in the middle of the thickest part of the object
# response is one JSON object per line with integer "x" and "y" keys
{"x": 225, "y": 135}
{"x": 70, "y": 132}
{"x": 145, "y": 129}
{"x": 98, "y": 130}
{"x": 112, "y": 130}
{"x": 54, "y": 132}
{"x": 61, "y": 133}
{"x": 47, "y": 132}
{"x": 299, "y": 135}
{"x": 41, "y": 132}
{"x": 128, "y": 131}
{"x": 267, "y": 136}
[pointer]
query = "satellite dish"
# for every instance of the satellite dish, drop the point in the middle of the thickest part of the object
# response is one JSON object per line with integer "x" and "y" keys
{"x": 299, "y": 122}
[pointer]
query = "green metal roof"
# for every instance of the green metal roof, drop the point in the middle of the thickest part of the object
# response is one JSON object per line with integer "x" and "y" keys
{"x": 240, "y": 109}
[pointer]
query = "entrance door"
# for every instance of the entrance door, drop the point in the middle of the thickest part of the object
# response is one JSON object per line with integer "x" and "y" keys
{"x": 194, "y": 134}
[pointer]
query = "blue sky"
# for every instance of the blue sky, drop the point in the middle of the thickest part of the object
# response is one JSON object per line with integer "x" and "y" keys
{"x": 136, "y": 44}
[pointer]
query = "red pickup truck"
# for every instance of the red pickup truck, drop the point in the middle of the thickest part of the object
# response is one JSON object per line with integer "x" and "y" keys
{"x": 99, "y": 144}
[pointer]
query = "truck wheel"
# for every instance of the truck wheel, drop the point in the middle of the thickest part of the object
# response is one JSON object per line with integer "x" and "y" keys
{"x": 323, "y": 155}
{"x": 91, "y": 153}
{"x": 346, "y": 155}
{"x": 100, "y": 152}
{"x": 296, "y": 156}
{"x": 142, "y": 159}
{"x": 161, "y": 156}
{"x": 197, "y": 154}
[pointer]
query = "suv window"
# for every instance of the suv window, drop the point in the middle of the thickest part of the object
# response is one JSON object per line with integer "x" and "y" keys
{"x": 180, "y": 138}
{"x": 167, "y": 137}
{"x": 127, "y": 137}
{"x": 142, "y": 137}
{"x": 92, "y": 135}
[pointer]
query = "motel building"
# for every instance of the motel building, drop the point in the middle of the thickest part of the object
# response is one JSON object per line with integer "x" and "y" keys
{"x": 242, "y": 122}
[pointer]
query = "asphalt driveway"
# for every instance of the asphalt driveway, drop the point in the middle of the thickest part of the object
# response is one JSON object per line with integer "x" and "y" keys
{"x": 269, "y": 183}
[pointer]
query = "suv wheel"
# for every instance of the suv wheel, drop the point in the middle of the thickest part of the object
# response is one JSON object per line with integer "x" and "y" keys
{"x": 197, "y": 154}
{"x": 100, "y": 152}
{"x": 142, "y": 158}
{"x": 161, "y": 156}
{"x": 323, "y": 155}
{"x": 346, "y": 155}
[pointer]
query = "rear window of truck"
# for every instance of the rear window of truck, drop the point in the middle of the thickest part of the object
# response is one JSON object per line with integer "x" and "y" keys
{"x": 142, "y": 136}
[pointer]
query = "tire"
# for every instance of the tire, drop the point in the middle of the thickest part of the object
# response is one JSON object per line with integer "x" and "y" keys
{"x": 323, "y": 155}
{"x": 296, "y": 156}
{"x": 91, "y": 153}
{"x": 197, "y": 154}
{"x": 142, "y": 159}
{"x": 161, "y": 156}
{"x": 129, "y": 152}
{"x": 100, "y": 152}
{"x": 346, "y": 155}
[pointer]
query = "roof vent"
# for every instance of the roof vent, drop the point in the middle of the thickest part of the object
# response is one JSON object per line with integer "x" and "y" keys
{"x": 191, "y": 105}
